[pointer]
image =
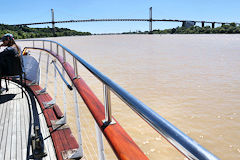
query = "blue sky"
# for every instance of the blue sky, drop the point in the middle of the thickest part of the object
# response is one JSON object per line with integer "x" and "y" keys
{"x": 27, "y": 11}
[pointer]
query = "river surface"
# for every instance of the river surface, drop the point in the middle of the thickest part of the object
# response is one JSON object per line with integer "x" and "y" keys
{"x": 193, "y": 81}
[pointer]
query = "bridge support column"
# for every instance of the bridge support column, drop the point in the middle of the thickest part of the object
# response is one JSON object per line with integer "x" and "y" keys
{"x": 213, "y": 25}
{"x": 150, "y": 20}
{"x": 202, "y": 24}
{"x": 53, "y": 23}
{"x": 183, "y": 23}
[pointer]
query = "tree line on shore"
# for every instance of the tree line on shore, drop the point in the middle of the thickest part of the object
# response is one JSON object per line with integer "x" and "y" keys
{"x": 23, "y": 32}
{"x": 224, "y": 29}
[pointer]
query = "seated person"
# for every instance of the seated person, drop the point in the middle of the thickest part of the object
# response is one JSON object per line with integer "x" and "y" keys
{"x": 8, "y": 58}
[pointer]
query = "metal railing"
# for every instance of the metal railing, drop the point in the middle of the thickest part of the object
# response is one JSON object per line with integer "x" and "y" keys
{"x": 187, "y": 146}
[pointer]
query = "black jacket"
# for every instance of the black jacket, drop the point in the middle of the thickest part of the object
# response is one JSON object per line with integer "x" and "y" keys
{"x": 10, "y": 63}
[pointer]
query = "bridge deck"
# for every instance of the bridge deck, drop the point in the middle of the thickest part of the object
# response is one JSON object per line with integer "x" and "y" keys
{"x": 16, "y": 125}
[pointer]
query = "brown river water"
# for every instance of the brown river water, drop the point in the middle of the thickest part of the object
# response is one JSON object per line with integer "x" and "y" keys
{"x": 193, "y": 81}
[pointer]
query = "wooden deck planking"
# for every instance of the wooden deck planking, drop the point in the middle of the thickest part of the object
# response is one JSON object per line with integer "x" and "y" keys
{"x": 23, "y": 132}
{"x": 19, "y": 131}
{"x": 14, "y": 127}
{"x": 13, "y": 148}
{"x": 9, "y": 132}
{"x": 5, "y": 130}
{"x": 45, "y": 132}
{"x": 4, "y": 111}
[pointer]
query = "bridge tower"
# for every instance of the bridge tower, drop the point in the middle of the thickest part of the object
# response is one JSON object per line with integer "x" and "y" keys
{"x": 53, "y": 23}
{"x": 213, "y": 25}
{"x": 150, "y": 20}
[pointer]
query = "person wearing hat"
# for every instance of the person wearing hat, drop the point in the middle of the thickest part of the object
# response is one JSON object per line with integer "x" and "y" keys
{"x": 8, "y": 41}
{"x": 11, "y": 49}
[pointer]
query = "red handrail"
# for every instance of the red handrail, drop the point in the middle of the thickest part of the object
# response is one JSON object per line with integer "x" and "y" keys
{"x": 122, "y": 144}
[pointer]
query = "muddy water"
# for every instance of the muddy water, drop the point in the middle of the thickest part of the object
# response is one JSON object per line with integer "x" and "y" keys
{"x": 193, "y": 81}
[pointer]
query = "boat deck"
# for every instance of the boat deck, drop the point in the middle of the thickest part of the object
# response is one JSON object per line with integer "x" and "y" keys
{"x": 17, "y": 121}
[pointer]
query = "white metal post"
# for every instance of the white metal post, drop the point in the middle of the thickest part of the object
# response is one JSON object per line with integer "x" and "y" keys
{"x": 38, "y": 74}
{"x": 101, "y": 154}
{"x": 47, "y": 71}
{"x": 55, "y": 84}
{"x": 64, "y": 56}
{"x": 107, "y": 105}
{"x": 57, "y": 49}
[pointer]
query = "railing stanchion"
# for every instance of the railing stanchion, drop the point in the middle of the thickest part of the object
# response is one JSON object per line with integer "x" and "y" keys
{"x": 107, "y": 105}
{"x": 55, "y": 84}
{"x": 43, "y": 91}
{"x": 64, "y": 56}
{"x": 47, "y": 71}
{"x": 39, "y": 61}
{"x": 75, "y": 67}
{"x": 57, "y": 49}
{"x": 101, "y": 155}
{"x": 51, "y": 46}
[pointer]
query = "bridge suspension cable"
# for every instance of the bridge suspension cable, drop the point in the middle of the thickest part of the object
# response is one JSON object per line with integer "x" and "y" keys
{"x": 150, "y": 20}
{"x": 106, "y": 20}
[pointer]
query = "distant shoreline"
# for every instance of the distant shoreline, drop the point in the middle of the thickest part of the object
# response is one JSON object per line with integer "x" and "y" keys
{"x": 25, "y": 32}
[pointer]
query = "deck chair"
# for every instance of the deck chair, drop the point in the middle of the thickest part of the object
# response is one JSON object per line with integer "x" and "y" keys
{"x": 11, "y": 66}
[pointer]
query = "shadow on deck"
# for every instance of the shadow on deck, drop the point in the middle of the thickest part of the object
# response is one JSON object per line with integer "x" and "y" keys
{"x": 7, "y": 97}
{"x": 18, "y": 120}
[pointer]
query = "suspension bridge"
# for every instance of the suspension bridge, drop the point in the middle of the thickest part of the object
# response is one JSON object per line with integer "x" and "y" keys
{"x": 150, "y": 20}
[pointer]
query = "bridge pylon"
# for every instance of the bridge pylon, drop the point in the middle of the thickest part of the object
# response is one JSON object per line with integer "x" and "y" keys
{"x": 150, "y": 20}
{"x": 53, "y": 23}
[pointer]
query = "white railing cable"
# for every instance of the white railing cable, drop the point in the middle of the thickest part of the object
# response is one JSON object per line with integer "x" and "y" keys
{"x": 64, "y": 95}
{"x": 101, "y": 155}
{"x": 84, "y": 118}
{"x": 78, "y": 123}
{"x": 63, "y": 120}
{"x": 88, "y": 140}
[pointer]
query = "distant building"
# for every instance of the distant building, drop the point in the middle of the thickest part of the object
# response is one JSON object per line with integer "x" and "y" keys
{"x": 188, "y": 24}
